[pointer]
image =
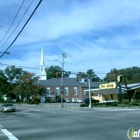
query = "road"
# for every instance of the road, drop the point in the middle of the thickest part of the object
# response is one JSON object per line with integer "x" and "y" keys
{"x": 38, "y": 122}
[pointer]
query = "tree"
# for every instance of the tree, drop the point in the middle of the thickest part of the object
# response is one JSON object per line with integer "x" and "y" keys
{"x": 3, "y": 84}
{"x": 52, "y": 70}
{"x": 82, "y": 74}
{"x": 12, "y": 73}
{"x": 131, "y": 75}
{"x": 27, "y": 86}
{"x": 90, "y": 73}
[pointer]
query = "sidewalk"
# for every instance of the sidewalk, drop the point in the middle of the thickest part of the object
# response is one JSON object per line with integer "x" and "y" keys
{"x": 77, "y": 105}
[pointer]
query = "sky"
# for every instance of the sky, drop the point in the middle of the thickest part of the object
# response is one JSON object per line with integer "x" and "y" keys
{"x": 99, "y": 35}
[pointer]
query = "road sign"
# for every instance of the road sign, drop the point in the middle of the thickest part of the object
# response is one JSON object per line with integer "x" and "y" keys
{"x": 108, "y": 85}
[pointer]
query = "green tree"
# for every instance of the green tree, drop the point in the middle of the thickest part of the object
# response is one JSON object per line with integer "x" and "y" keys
{"x": 111, "y": 76}
{"x": 3, "y": 84}
{"x": 90, "y": 73}
{"x": 131, "y": 75}
{"x": 82, "y": 74}
{"x": 12, "y": 73}
{"x": 52, "y": 70}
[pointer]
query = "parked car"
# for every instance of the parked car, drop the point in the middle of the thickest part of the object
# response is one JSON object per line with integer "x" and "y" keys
{"x": 68, "y": 100}
{"x": 75, "y": 100}
{"x": 8, "y": 107}
{"x": 80, "y": 100}
{"x": 86, "y": 100}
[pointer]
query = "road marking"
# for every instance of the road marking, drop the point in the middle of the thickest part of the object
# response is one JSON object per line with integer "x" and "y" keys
{"x": 7, "y": 133}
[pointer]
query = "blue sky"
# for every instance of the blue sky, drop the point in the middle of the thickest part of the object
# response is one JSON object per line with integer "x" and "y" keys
{"x": 99, "y": 35}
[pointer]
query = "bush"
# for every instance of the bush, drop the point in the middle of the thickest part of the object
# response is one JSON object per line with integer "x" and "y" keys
{"x": 49, "y": 100}
{"x": 1, "y": 100}
{"x": 114, "y": 104}
{"x": 86, "y": 100}
{"x": 84, "y": 105}
{"x": 135, "y": 103}
{"x": 33, "y": 102}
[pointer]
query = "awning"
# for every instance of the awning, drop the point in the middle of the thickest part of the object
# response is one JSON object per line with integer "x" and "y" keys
{"x": 106, "y": 91}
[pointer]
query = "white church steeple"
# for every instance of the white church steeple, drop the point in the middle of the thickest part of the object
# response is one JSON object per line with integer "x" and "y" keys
{"x": 42, "y": 71}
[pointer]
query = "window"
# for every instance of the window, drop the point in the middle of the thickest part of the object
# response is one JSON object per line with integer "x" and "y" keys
{"x": 66, "y": 91}
{"x": 75, "y": 91}
{"x": 57, "y": 91}
{"x": 99, "y": 95}
{"x": 48, "y": 91}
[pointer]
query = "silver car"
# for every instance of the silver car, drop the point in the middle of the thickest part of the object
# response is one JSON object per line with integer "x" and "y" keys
{"x": 80, "y": 100}
{"x": 68, "y": 100}
{"x": 8, "y": 107}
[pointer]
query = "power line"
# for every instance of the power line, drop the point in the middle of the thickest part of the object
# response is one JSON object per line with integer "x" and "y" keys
{"x": 19, "y": 66}
{"x": 17, "y": 24}
{"x": 12, "y": 21}
{"x": 22, "y": 28}
{"x": 26, "y": 34}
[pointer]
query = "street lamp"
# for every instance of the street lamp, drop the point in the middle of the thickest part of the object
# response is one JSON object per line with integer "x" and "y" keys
{"x": 62, "y": 82}
{"x": 5, "y": 52}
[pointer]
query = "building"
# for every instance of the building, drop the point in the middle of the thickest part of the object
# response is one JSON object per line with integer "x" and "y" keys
{"x": 79, "y": 89}
{"x": 72, "y": 88}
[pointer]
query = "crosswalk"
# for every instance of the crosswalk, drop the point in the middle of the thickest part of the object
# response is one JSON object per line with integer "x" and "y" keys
{"x": 6, "y": 135}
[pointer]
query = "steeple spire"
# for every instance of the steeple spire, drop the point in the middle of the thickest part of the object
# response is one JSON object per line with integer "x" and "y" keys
{"x": 42, "y": 71}
{"x": 42, "y": 57}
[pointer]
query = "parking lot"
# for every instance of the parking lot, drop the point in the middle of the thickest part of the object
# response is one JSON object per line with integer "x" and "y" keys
{"x": 42, "y": 122}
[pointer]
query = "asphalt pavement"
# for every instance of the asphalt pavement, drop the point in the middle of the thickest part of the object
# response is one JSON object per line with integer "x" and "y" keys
{"x": 51, "y": 122}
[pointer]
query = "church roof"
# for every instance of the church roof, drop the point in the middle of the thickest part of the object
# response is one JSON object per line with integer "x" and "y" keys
{"x": 68, "y": 82}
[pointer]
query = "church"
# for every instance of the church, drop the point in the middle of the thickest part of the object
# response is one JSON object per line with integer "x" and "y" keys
{"x": 71, "y": 87}
{"x": 76, "y": 89}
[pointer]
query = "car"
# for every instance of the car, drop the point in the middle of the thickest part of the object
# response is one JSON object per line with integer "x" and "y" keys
{"x": 68, "y": 100}
{"x": 86, "y": 100}
{"x": 75, "y": 100}
{"x": 8, "y": 107}
{"x": 80, "y": 100}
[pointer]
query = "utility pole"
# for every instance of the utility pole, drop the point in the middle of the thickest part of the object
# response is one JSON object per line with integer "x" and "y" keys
{"x": 62, "y": 81}
{"x": 62, "y": 77}
{"x": 89, "y": 89}
{"x": 90, "y": 106}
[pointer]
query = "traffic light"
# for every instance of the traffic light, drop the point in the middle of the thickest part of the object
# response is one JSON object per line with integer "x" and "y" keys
{"x": 57, "y": 75}
{"x": 119, "y": 78}
{"x": 77, "y": 78}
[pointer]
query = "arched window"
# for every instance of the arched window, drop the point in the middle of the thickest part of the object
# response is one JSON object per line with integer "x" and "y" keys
{"x": 66, "y": 92}
{"x": 57, "y": 91}
{"x": 48, "y": 90}
{"x": 75, "y": 91}
{"x": 84, "y": 92}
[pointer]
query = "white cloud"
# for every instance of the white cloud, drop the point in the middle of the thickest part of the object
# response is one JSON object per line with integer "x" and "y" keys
{"x": 94, "y": 34}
